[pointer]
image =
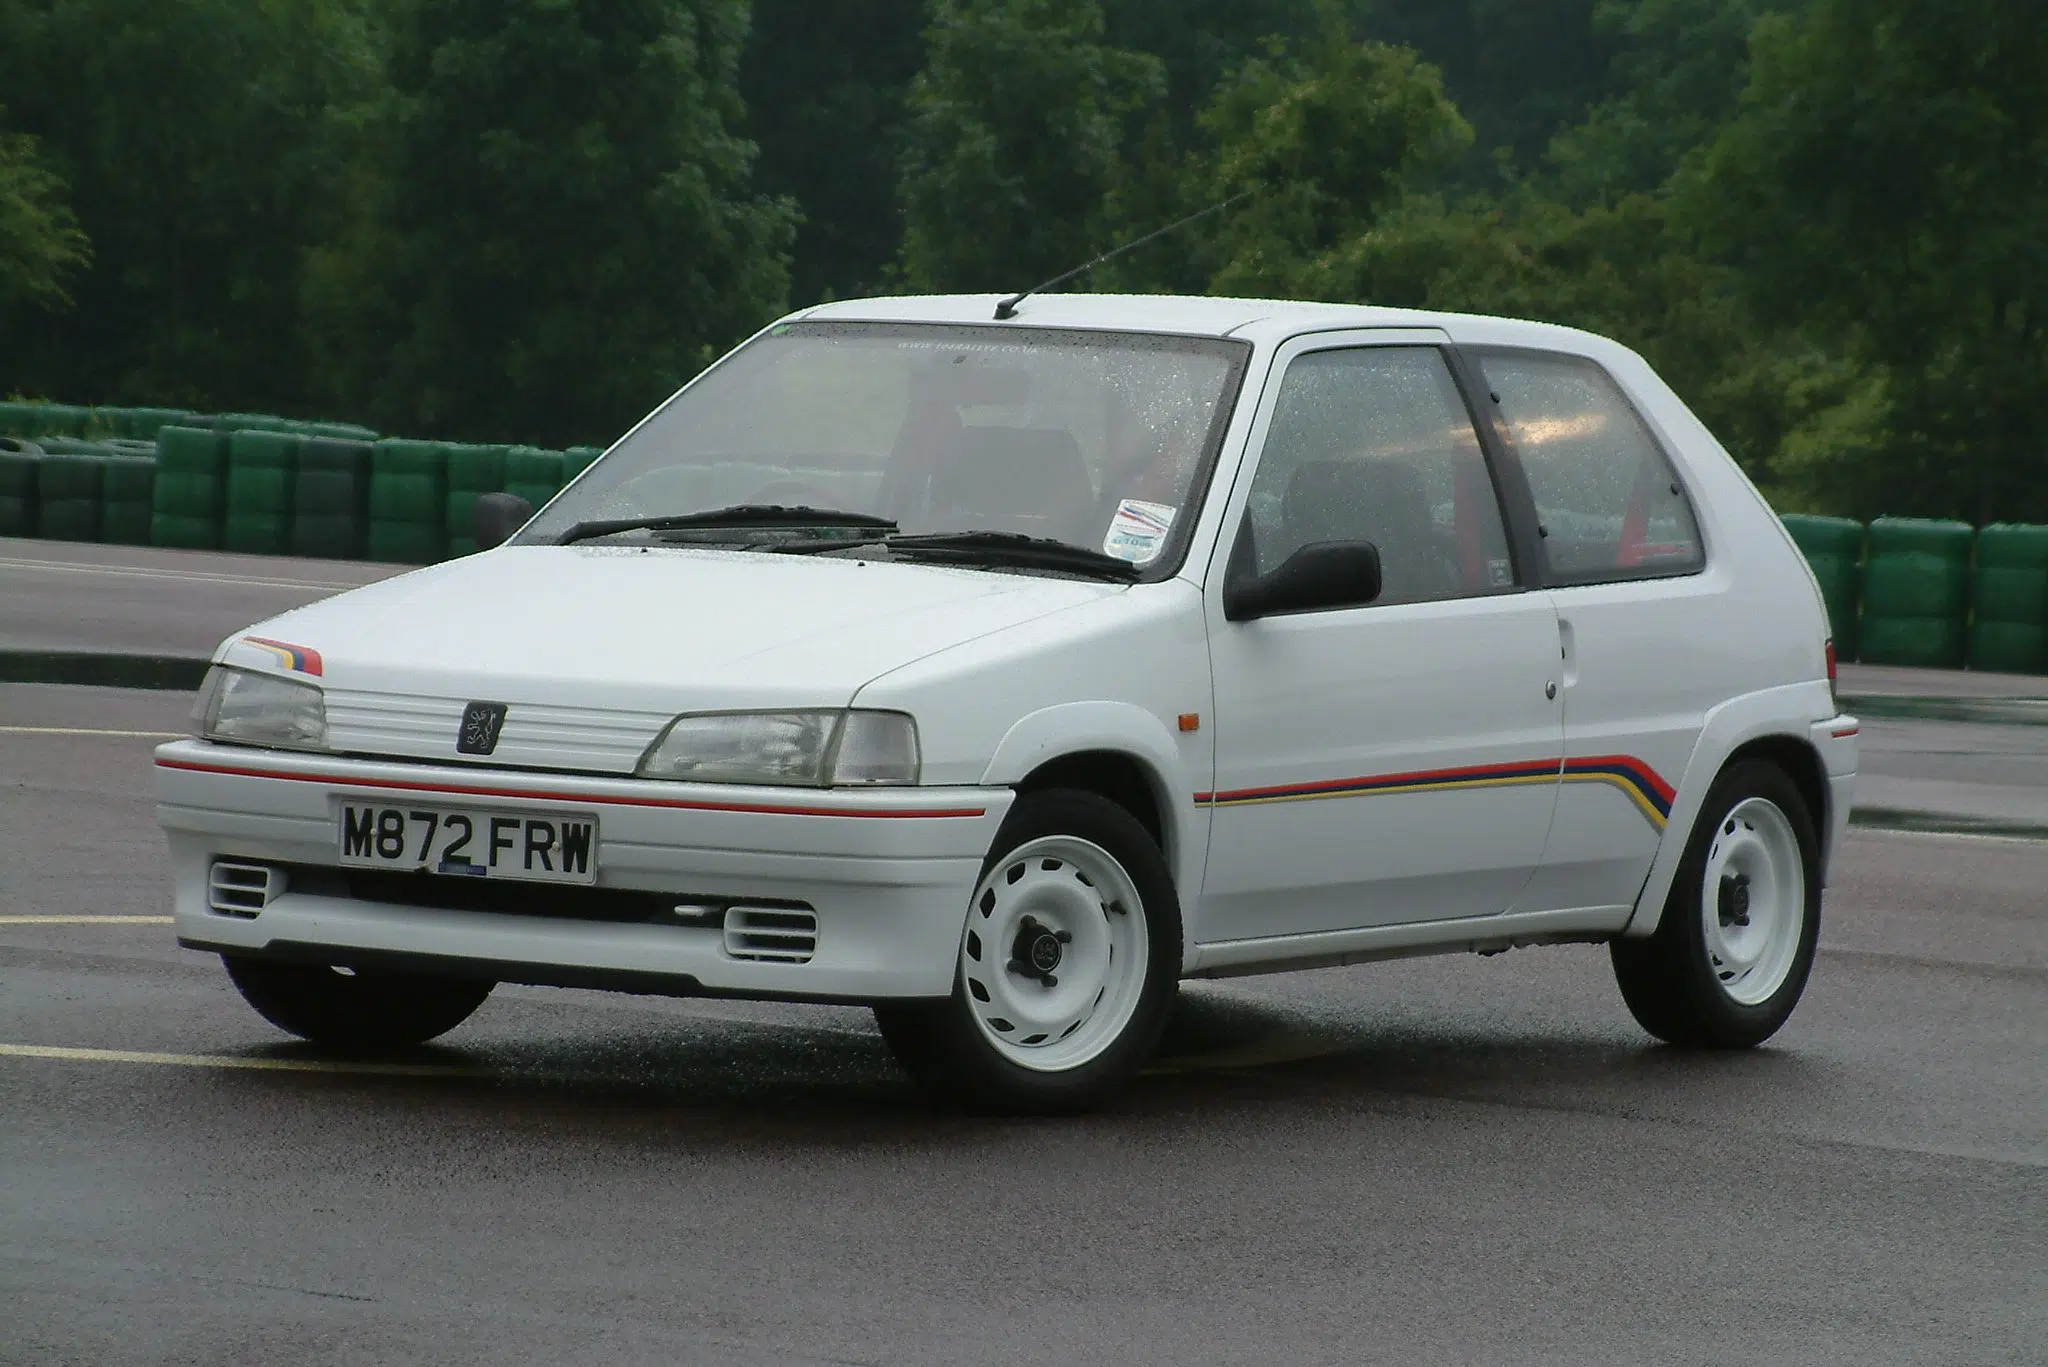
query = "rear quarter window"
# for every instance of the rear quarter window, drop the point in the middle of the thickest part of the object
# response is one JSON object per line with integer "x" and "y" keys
{"x": 1608, "y": 502}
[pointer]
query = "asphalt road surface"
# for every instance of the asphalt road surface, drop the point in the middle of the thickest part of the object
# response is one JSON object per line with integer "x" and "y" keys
{"x": 1455, "y": 1161}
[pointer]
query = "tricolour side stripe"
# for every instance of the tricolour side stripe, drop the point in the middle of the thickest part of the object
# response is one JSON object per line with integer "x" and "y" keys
{"x": 301, "y": 659}
{"x": 1650, "y": 794}
{"x": 577, "y": 799}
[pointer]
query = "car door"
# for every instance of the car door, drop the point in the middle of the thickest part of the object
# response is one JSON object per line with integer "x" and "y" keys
{"x": 1395, "y": 762}
{"x": 1646, "y": 640}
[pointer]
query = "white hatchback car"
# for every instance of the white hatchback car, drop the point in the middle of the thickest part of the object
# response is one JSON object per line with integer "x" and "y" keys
{"x": 1001, "y": 674}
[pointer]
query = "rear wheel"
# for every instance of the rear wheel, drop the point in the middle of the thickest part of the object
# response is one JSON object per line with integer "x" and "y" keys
{"x": 1732, "y": 953}
{"x": 1068, "y": 964}
{"x": 355, "y": 1010}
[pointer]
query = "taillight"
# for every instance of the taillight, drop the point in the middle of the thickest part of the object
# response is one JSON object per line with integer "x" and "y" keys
{"x": 1833, "y": 692}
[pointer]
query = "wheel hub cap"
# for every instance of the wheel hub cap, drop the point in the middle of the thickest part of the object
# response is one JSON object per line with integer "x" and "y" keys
{"x": 1754, "y": 907}
{"x": 1054, "y": 957}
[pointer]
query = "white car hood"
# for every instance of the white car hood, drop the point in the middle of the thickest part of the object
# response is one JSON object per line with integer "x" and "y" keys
{"x": 595, "y": 649}
{"x": 662, "y": 629}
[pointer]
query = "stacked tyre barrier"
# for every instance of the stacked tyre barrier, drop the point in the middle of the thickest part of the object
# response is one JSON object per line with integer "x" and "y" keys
{"x": 263, "y": 468}
{"x": 331, "y": 499}
{"x": 190, "y": 494}
{"x": 2009, "y": 600}
{"x": 255, "y": 482}
{"x": 1833, "y": 546}
{"x": 408, "y": 497}
{"x": 70, "y": 488}
{"x": 534, "y": 474}
{"x": 1916, "y": 593}
{"x": 21, "y": 465}
{"x": 472, "y": 472}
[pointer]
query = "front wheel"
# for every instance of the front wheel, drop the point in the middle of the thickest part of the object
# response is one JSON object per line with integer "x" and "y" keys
{"x": 1732, "y": 953}
{"x": 355, "y": 1010}
{"x": 1068, "y": 964}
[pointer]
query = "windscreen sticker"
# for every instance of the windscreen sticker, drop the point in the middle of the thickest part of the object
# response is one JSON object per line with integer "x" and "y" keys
{"x": 1138, "y": 531}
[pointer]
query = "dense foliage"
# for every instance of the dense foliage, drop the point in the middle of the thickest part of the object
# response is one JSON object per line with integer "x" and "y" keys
{"x": 1821, "y": 219}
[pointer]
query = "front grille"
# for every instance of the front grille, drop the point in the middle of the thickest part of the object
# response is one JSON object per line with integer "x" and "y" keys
{"x": 505, "y": 897}
{"x": 242, "y": 890}
{"x": 787, "y": 935}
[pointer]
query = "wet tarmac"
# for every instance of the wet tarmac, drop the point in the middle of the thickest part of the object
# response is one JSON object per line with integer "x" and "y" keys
{"x": 1447, "y": 1161}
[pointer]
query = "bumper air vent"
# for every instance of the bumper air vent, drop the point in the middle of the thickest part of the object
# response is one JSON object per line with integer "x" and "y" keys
{"x": 242, "y": 890}
{"x": 783, "y": 935}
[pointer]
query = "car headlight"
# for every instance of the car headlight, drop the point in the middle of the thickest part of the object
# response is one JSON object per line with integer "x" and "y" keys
{"x": 817, "y": 749}
{"x": 248, "y": 708}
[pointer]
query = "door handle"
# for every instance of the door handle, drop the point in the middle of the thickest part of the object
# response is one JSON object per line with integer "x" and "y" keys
{"x": 1568, "y": 651}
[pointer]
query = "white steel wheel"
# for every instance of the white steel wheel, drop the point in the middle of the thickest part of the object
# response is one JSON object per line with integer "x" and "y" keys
{"x": 1734, "y": 946}
{"x": 1055, "y": 954}
{"x": 1753, "y": 901}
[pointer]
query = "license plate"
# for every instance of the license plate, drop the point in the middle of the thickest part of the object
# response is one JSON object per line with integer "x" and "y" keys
{"x": 547, "y": 847}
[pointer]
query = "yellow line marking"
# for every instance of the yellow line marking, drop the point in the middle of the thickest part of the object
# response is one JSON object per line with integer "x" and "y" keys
{"x": 274, "y": 1065}
{"x": 86, "y": 920}
{"x": 90, "y": 731}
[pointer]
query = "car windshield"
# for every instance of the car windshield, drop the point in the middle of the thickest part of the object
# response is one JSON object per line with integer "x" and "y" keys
{"x": 1102, "y": 441}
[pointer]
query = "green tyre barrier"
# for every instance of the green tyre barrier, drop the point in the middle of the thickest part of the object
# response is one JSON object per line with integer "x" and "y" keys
{"x": 20, "y": 470}
{"x": 330, "y": 504}
{"x": 187, "y": 533}
{"x": 68, "y": 495}
{"x": 190, "y": 488}
{"x": 1916, "y": 588}
{"x": 533, "y": 474}
{"x": 472, "y": 471}
{"x": 142, "y": 424}
{"x": 59, "y": 420}
{"x": 338, "y": 431}
{"x": 1833, "y": 547}
{"x": 18, "y": 419}
{"x": 262, "y": 467}
{"x": 406, "y": 543}
{"x": 192, "y": 450}
{"x": 408, "y": 494}
{"x": 129, "y": 493}
{"x": 74, "y": 446}
{"x": 2009, "y": 600}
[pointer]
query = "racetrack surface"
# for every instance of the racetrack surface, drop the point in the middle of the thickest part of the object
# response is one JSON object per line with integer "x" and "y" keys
{"x": 1451, "y": 1161}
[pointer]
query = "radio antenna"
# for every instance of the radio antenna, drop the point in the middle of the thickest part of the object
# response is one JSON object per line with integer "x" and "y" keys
{"x": 1007, "y": 309}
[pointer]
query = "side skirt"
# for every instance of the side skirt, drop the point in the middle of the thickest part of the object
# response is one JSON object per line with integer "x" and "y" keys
{"x": 1467, "y": 935}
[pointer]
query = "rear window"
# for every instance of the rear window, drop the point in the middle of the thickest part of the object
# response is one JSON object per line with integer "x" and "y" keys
{"x": 1607, "y": 500}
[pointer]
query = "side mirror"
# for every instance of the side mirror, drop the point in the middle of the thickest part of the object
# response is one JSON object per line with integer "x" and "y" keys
{"x": 498, "y": 516}
{"x": 1323, "y": 574}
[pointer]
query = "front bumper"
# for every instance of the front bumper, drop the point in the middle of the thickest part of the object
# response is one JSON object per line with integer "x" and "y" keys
{"x": 888, "y": 872}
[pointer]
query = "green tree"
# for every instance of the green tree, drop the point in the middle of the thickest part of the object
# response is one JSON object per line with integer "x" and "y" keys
{"x": 1320, "y": 143}
{"x": 559, "y": 226}
{"x": 826, "y": 82}
{"x": 40, "y": 243}
{"x": 1884, "y": 188}
{"x": 1022, "y": 123}
{"x": 196, "y": 139}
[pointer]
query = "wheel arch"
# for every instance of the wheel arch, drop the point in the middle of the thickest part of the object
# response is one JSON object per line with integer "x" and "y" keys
{"x": 1119, "y": 752}
{"x": 1772, "y": 724}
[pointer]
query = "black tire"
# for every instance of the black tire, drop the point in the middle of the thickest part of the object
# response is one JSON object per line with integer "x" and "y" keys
{"x": 940, "y": 1043}
{"x": 1670, "y": 980}
{"x": 362, "y": 1010}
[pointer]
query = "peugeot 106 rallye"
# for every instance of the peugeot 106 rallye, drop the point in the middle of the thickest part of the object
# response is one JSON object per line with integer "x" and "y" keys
{"x": 1000, "y": 668}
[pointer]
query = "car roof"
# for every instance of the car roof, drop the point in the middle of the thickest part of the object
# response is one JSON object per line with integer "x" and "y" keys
{"x": 1259, "y": 319}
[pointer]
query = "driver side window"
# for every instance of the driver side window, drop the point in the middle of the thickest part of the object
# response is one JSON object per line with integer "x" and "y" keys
{"x": 1374, "y": 444}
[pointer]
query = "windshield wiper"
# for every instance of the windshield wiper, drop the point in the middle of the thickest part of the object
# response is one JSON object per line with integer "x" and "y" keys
{"x": 1014, "y": 548}
{"x": 748, "y": 515}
